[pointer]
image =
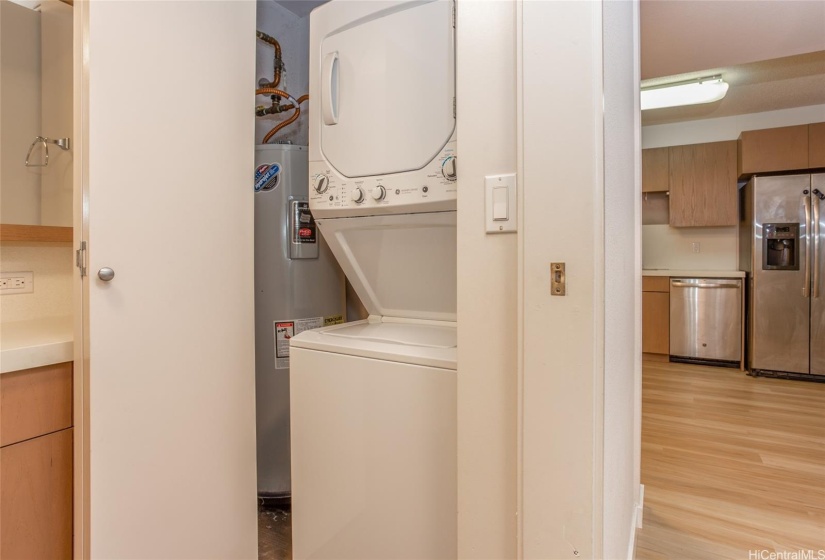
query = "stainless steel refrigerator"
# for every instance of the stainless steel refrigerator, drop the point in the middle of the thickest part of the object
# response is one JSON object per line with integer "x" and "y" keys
{"x": 781, "y": 247}
{"x": 298, "y": 285}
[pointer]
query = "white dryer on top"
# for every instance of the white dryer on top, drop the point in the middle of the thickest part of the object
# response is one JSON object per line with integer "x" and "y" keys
{"x": 382, "y": 108}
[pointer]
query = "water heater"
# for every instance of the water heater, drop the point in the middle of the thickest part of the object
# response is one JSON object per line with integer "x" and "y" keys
{"x": 298, "y": 286}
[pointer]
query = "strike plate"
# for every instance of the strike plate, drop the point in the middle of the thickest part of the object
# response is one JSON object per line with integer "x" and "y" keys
{"x": 558, "y": 281}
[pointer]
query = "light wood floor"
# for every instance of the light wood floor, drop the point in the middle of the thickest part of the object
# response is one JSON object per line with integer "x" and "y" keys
{"x": 730, "y": 464}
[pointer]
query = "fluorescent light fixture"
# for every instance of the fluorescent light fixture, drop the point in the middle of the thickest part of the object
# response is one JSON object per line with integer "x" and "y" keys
{"x": 692, "y": 92}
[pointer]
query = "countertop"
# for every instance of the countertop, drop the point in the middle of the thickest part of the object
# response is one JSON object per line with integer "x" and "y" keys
{"x": 40, "y": 342}
{"x": 693, "y": 273}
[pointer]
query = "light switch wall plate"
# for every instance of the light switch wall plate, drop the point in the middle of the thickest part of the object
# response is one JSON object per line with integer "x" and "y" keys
{"x": 501, "y": 214}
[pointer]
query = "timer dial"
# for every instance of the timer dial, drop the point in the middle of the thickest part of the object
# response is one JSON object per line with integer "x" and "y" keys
{"x": 378, "y": 193}
{"x": 448, "y": 168}
{"x": 321, "y": 184}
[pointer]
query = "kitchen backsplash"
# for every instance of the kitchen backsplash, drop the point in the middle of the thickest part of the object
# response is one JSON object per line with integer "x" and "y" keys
{"x": 665, "y": 247}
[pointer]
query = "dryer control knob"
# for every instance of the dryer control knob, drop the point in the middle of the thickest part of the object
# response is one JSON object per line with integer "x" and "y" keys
{"x": 378, "y": 193}
{"x": 448, "y": 168}
{"x": 357, "y": 195}
{"x": 320, "y": 183}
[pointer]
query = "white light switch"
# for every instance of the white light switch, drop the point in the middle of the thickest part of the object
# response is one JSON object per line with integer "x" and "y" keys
{"x": 501, "y": 203}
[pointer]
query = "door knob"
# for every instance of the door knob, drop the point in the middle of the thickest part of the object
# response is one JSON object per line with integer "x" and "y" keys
{"x": 106, "y": 274}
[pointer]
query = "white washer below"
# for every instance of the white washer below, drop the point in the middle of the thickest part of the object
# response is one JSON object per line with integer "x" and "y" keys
{"x": 373, "y": 414}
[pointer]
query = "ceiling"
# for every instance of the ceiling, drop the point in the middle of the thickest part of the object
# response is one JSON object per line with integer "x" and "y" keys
{"x": 301, "y": 8}
{"x": 771, "y": 52}
{"x": 769, "y": 85}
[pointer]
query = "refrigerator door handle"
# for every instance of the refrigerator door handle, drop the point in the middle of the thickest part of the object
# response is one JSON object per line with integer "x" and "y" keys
{"x": 807, "y": 282}
{"x": 815, "y": 225}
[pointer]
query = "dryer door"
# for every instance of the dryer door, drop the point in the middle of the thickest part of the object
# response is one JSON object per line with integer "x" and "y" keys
{"x": 387, "y": 89}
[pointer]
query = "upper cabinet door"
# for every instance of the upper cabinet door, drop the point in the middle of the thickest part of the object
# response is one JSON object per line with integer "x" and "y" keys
{"x": 387, "y": 87}
{"x": 773, "y": 149}
{"x": 816, "y": 145}
{"x": 703, "y": 185}
{"x": 655, "y": 170}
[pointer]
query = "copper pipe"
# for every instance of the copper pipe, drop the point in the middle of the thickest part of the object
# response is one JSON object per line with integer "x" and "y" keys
{"x": 287, "y": 122}
{"x": 272, "y": 91}
{"x": 278, "y": 62}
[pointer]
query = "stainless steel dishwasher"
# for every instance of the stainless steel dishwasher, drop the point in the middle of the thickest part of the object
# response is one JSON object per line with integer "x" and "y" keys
{"x": 706, "y": 320}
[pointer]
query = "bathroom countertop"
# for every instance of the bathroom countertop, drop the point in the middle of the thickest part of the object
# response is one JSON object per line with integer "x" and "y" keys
{"x": 35, "y": 343}
{"x": 693, "y": 273}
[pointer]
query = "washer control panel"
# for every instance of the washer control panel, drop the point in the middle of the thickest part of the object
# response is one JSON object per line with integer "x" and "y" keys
{"x": 430, "y": 189}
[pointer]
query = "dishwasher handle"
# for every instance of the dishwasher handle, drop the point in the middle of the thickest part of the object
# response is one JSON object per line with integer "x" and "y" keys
{"x": 733, "y": 284}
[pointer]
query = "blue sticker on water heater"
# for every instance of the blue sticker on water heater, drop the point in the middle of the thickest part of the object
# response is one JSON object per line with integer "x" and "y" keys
{"x": 267, "y": 176}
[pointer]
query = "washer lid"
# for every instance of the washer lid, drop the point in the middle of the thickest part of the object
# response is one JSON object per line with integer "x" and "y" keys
{"x": 400, "y": 265}
{"x": 424, "y": 343}
{"x": 386, "y": 83}
{"x": 409, "y": 334}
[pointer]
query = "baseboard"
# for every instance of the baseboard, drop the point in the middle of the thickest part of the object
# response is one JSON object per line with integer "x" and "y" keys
{"x": 638, "y": 512}
{"x": 640, "y": 507}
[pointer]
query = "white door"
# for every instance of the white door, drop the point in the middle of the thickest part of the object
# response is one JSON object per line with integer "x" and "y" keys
{"x": 168, "y": 90}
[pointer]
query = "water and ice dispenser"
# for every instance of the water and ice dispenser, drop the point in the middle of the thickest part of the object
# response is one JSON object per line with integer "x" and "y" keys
{"x": 780, "y": 247}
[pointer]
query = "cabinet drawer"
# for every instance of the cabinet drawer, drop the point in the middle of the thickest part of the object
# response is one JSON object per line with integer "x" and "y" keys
{"x": 655, "y": 284}
{"x": 34, "y": 402}
{"x": 36, "y": 501}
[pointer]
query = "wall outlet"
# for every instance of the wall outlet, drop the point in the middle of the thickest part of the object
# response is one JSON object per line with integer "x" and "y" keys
{"x": 696, "y": 246}
{"x": 16, "y": 283}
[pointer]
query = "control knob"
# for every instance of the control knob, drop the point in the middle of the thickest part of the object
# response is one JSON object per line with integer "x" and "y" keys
{"x": 357, "y": 195}
{"x": 321, "y": 184}
{"x": 378, "y": 193}
{"x": 448, "y": 168}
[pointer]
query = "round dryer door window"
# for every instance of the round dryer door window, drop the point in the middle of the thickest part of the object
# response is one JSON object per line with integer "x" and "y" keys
{"x": 388, "y": 89}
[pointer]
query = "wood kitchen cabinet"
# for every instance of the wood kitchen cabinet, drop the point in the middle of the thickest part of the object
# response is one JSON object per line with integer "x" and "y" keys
{"x": 816, "y": 145}
{"x": 36, "y": 498}
{"x": 773, "y": 149}
{"x": 655, "y": 170}
{"x": 703, "y": 188}
{"x": 656, "y": 315}
{"x": 36, "y": 463}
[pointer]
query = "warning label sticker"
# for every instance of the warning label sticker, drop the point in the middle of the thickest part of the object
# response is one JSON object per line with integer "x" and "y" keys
{"x": 267, "y": 176}
{"x": 285, "y": 330}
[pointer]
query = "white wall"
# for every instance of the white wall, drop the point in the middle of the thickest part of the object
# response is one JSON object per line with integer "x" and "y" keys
{"x": 19, "y": 113}
{"x": 666, "y": 247}
{"x": 622, "y": 289}
{"x": 487, "y": 327}
{"x": 561, "y": 337}
{"x": 52, "y": 266}
{"x": 56, "y": 99}
{"x": 292, "y": 33}
{"x": 726, "y": 128}
{"x": 580, "y": 352}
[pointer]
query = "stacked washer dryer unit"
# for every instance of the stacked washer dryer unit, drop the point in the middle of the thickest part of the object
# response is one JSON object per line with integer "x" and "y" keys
{"x": 373, "y": 403}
